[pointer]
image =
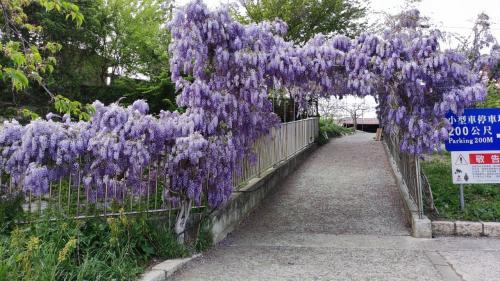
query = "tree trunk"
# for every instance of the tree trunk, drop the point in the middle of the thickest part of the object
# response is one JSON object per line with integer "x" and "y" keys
{"x": 182, "y": 218}
{"x": 354, "y": 122}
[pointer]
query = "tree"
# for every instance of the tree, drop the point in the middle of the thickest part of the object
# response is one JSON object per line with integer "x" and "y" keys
{"x": 479, "y": 39}
{"x": 306, "y": 18}
{"x": 355, "y": 109}
{"x": 335, "y": 108}
{"x": 330, "y": 108}
{"x": 119, "y": 38}
{"x": 487, "y": 63}
{"x": 117, "y": 42}
{"x": 493, "y": 99}
{"x": 137, "y": 40}
{"x": 24, "y": 55}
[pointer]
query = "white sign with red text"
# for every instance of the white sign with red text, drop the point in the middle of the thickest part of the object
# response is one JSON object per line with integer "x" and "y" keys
{"x": 475, "y": 167}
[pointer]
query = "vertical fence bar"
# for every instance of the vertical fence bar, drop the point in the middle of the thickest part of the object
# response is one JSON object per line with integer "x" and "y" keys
{"x": 156, "y": 183}
{"x": 78, "y": 192}
{"x": 40, "y": 205}
{"x": 105, "y": 199}
{"x": 419, "y": 188}
{"x": 69, "y": 193}
{"x": 29, "y": 203}
{"x": 50, "y": 194}
{"x": 59, "y": 194}
{"x": 87, "y": 189}
{"x": 147, "y": 186}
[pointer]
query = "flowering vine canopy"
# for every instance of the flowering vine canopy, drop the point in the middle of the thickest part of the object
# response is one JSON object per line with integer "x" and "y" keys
{"x": 224, "y": 71}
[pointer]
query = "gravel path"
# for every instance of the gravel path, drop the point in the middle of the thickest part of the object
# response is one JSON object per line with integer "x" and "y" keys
{"x": 344, "y": 187}
{"x": 338, "y": 217}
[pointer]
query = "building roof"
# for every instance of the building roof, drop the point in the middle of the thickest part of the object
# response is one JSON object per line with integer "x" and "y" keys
{"x": 361, "y": 121}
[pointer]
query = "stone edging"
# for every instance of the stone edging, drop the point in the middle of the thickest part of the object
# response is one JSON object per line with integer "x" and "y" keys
{"x": 465, "y": 228}
{"x": 162, "y": 271}
{"x": 420, "y": 227}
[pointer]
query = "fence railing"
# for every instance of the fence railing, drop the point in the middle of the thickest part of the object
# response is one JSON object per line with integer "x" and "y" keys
{"x": 281, "y": 144}
{"x": 409, "y": 167}
{"x": 68, "y": 197}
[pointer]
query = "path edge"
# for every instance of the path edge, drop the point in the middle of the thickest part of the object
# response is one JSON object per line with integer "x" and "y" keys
{"x": 244, "y": 200}
{"x": 420, "y": 227}
{"x": 165, "y": 269}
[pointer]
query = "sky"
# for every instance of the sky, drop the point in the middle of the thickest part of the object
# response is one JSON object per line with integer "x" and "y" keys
{"x": 451, "y": 16}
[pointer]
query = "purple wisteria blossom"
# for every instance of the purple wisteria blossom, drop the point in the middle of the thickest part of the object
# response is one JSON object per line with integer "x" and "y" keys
{"x": 224, "y": 72}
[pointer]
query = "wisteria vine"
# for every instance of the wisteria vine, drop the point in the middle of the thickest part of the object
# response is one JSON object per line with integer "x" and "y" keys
{"x": 224, "y": 71}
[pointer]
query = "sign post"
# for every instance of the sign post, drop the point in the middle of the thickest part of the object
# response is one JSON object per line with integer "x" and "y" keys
{"x": 462, "y": 200}
{"x": 474, "y": 143}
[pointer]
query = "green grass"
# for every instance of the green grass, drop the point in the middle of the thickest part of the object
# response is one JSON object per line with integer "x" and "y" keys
{"x": 112, "y": 248}
{"x": 95, "y": 249}
{"x": 482, "y": 201}
{"x": 51, "y": 245}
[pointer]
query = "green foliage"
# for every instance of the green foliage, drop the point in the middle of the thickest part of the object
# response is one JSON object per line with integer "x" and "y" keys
{"x": 96, "y": 249}
{"x": 10, "y": 211}
{"x": 140, "y": 43}
{"x": 204, "y": 237}
{"x": 90, "y": 60}
{"x": 493, "y": 98}
{"x": 322, "y": 137}
{"x": 159, "y": 95}
{"x": 305, "y": 18}
{"x": 30, "y": 115}
{"x": 332, "y": 129}
{"x": 23, "y": 56}
{"x": 75, "y": 109}
{"x": 329, "y": 129}
{"x": 482, "y": 201}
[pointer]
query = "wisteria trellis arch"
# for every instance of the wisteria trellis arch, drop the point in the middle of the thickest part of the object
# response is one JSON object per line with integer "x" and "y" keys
{"x": 224, "y": 71}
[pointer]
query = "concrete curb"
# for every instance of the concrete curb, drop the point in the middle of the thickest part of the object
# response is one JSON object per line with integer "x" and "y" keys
{"x": 247, "y": 198}
{"x": 420, "y": 227}
{"x": 465, "y": 228}
{"x": 162, "y": 271}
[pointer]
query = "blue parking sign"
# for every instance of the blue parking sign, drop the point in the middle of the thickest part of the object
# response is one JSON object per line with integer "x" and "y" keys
{"x": 476, "y": 129}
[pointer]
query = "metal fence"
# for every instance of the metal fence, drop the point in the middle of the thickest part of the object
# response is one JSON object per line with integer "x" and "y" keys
{"x": 281, "y": 144}
{"x": 409, "y": 167}
{"x": 68, "y": 197}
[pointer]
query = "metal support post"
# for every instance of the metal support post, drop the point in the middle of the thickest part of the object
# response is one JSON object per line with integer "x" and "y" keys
{"x": 462, "y": 201}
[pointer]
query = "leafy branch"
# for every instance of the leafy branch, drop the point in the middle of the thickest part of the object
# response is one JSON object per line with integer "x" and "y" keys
{"x": 23, "y": 55}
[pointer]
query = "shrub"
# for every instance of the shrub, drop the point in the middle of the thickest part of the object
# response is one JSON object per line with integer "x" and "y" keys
{"x": 328, "y": 129}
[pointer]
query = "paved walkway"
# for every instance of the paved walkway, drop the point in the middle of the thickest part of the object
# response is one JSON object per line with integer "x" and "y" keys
{"x": 339, "y": 217}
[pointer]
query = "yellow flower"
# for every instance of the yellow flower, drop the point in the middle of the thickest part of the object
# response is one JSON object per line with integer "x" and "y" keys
{"x": 33, "y": 244}
{"x": 63, "y": 254}
{"x": 123, "y": 217}
{"x": 16, "y": 237}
